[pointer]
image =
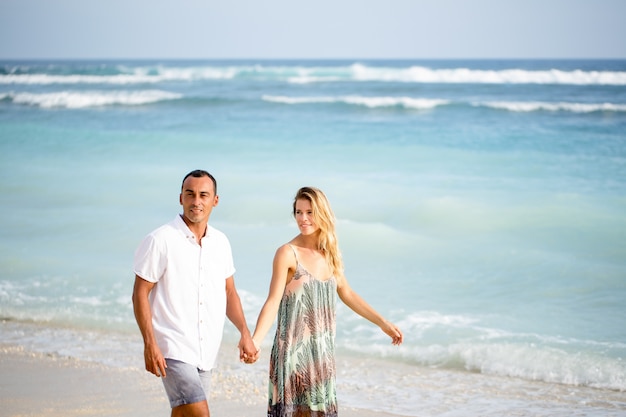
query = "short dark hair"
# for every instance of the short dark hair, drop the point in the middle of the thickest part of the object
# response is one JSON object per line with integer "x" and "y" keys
{"x": 199, "y": 173}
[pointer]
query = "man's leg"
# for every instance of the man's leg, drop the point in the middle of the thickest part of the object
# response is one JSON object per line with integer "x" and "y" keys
{"x": 187, "y": 389}
{"x": 199, "y": 409}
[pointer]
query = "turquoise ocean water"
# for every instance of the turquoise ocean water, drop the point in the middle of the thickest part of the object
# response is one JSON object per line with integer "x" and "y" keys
{"x": 481, "y": 206}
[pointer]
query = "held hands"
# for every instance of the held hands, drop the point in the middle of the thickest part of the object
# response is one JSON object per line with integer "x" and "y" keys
{"x": 251, "y": 359}
{"x": 248, "y": 350}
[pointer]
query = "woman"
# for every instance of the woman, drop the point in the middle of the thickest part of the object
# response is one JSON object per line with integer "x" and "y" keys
{"x": 306, "y": 273}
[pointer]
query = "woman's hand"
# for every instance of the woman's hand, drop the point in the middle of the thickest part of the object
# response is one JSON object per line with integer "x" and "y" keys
{"x": 394, "y": 332}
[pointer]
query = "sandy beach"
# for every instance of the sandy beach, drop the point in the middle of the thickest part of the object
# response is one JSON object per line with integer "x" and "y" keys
{"x": 34, "y": 384}
{"x": 54, "y": 372}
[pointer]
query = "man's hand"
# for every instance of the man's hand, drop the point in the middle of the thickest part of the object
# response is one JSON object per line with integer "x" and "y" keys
{"x": 248, "y": 351}
{"x": 155, "y": 362}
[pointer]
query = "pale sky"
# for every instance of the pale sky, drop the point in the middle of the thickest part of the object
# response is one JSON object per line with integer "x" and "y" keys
{"x": 291, "y": 29}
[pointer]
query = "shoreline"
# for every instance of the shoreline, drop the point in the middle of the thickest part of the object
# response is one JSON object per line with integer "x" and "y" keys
{"x": 54, "y": 371}
{"x": 36, "y": 384}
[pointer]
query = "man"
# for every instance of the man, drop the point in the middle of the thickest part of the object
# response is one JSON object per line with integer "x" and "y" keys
{"x": 184, "y": 289}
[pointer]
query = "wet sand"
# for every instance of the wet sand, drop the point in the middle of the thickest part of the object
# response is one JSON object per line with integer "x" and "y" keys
{"x": 37, "y": 385}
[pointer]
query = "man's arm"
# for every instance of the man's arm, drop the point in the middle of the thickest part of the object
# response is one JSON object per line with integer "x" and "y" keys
{"x": 155, "y": 362}
{"x": 234, "y": 312}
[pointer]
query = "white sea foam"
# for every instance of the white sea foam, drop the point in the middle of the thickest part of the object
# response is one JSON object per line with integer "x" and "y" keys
{"x": 541, "y": 363}
{"x": 452, "y": 341}
{"x": 423, "y": 103}
{"x": 75, "y": 100}
{"x": 370, "y": 102}
{"x": 419, "y": 74}
{"x": 315, "y": 74}
{"x": 46, "y": 79}
{"x": 528, "y": 361}
{"x": 530, "y": 106}
{"x": 135, "y": 76}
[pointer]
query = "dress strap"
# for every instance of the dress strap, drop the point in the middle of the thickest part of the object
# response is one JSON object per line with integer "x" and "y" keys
{"x": 295, "y": 254}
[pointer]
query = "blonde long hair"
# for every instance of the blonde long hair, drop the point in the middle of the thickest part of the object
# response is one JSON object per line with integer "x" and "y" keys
{"x": 325, "y": 220}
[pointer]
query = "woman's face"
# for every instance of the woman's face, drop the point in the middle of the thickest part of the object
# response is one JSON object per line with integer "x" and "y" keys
{"x": 304, "y": 217}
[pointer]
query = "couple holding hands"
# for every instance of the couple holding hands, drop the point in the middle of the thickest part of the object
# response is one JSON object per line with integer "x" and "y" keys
{"x": 184, "y": 290}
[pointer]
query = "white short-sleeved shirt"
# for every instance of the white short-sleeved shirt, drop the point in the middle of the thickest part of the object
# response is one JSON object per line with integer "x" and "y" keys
{"x": 189, "y": 299}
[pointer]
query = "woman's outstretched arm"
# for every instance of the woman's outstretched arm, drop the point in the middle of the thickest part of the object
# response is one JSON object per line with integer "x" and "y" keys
{"x": 363, "y": 309}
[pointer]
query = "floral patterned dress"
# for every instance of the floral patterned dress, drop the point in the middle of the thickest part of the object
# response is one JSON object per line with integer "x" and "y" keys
{"x": 302, "y": 361}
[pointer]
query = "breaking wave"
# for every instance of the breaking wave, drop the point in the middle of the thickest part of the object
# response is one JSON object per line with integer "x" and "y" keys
{"x": 302, "y": 74}
{"x": 530, "y": 106}
{"x": 370, "y": 102}
{"x": 77, "y": 100}
{"x": 430, "y": 103}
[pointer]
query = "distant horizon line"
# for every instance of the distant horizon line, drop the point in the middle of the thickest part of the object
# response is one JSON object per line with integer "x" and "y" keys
{"x": 311, "y": 59}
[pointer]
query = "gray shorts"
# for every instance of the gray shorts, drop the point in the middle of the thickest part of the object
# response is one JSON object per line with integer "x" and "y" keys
{"x": 185, "y": 384}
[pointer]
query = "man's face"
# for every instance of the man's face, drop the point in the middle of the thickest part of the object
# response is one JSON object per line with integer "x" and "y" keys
{"x": 198, "y": 199}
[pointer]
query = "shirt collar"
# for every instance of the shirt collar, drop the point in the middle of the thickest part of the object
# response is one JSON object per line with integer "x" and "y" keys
{"x": 182, "y": 226}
